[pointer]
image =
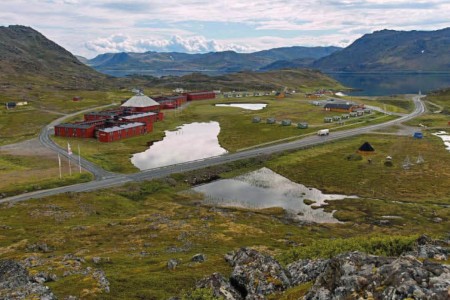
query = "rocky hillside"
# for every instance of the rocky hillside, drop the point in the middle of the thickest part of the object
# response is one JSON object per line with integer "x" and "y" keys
{"x": 272, "y": 80}
{"x": 352, "y": 275}
{"x": 211, "y": 63}
{"x": 28, "y": 57}
{"x": 390, "y": 50}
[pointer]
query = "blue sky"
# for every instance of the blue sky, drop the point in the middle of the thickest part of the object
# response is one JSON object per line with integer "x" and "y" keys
{"x": 91, "y": 27}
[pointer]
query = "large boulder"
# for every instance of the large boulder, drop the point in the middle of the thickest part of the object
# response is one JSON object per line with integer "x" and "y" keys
{"x": 15, "y": 283}
{"x": 354, "y": 275}
{"x": 425, "y": 247}
{"x": 256, "y": 274}
{"x": 306, "y": 270}
{"x": 220, "y": 287}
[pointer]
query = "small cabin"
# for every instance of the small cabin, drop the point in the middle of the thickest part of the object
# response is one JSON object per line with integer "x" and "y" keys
{"x": 256, "y": 119}
{"x": 302, "y": 125}
{"x": 345, "y": 116}
{"x": 328, "y": 119}
{"x": 271, "y": 121}
{"x": 367, "y": 111}
{"x": 10, "y": 105}
{"x": 336, "y": 118}
{"x": 286, "y": 122}
{"x": 353, "y": 114}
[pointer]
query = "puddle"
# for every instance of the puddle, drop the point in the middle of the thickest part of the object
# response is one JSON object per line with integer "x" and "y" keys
{"x": 189, "y": 142}
{"x": 264, "y": 189}
{"x": 445, "y": 137}
{"x": 249, "y": 106}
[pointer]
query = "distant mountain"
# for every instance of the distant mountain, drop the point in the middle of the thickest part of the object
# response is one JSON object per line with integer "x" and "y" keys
{"x": 289, "y": 64}
{"x": 82, "y": 59}
{"x": 211, "y": 63}
{"x": 246, "y": 80}
{"x": 390, "y": 50}
{"x": 26, "y": 57}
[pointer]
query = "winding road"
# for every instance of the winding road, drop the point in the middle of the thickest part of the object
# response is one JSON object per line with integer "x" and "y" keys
{"x": 106, "y": 179}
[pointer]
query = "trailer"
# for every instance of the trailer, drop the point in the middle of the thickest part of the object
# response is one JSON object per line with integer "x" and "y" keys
{"x": 323, "y": 132}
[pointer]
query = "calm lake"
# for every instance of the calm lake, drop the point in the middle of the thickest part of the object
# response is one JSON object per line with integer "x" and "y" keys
{"x": 265, "y": 189}
{"x": 189, "y": 142}
{"x": 382, "y": 84}
{"x": 249, "y": 106}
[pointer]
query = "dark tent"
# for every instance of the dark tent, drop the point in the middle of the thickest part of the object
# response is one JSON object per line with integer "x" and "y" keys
{"x": 366, "y": 147}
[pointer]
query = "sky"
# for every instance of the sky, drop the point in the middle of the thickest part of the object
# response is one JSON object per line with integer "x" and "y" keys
{"x": 92, "y": 27}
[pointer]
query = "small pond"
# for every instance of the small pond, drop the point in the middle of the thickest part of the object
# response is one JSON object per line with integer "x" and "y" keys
{"x": 189, "y": 142}
{"x": 265, "y": 189}
{"x": 249, "y": 106}
{"x": 445, "y": 137}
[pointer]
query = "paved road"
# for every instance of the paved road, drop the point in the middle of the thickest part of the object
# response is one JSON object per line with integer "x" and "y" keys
{"x": 44, "y": 138}
{"x": 110, "y": 179}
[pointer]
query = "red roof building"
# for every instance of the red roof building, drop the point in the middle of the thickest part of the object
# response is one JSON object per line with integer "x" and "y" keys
{"x": 205, "y": 95}
{"x": 122, "y": 131}
{"x": 141, "y": 103}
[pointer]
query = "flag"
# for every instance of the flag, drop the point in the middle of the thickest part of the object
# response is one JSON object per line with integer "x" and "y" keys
{"x": 69, "y": 150}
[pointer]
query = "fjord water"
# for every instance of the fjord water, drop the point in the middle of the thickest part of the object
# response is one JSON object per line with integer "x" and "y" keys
{"x": 189, "y": 142}
{"x": 382, "y": 84}
{"x": 265, "y": 189}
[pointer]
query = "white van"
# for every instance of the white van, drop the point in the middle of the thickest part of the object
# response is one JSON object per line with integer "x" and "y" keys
{"x": 323, "y": 132}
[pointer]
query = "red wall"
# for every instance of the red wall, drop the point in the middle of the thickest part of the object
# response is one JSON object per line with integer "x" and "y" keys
{"x": 200, "y": 96}
{"x": 106, "y": 137}
{"x": 154, "y": 108}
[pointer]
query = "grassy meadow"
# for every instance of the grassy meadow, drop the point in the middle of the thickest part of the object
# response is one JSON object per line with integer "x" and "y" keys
{"x": 236, "y": 128}
{"x": 135, "y": 229}
{"x": 20, "y": 174}
{"x": 26, "y": 122}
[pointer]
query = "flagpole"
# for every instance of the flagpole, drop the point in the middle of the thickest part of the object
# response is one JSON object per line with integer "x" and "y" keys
{"x": 79, "y": 157}
{"x": 69, "y": 152}
{"x": 59, "y": 164}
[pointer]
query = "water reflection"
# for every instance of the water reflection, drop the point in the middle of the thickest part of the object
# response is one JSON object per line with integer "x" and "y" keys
{"x": 445, "y": 137}
{"x": 264, "y": 189}
{"x": 249, "y": 106}
{"x": 379, "y": 84}
{"x": 189, "y": 142}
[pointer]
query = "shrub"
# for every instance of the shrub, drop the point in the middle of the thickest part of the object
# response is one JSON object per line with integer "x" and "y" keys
{"x": 377, "y": 245}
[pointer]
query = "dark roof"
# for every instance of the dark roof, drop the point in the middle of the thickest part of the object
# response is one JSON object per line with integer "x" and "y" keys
{"x": 200, "y": 93}
{"x": 339, "y": 105}
{"x": 81, "y": 125}
{"x": 169, "y": 98}
{"x": 103, "y": 113}
{"x": 366, "y": 147}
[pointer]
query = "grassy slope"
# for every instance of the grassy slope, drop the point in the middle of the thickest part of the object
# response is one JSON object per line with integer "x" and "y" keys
{"x": 19, "y": 174}
{"x": 137, "y": 225}
{"x": 294, "y": 79}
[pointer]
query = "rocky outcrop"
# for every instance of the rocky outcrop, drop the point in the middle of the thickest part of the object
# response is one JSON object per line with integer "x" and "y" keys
{"x": 220, "y": 287}
{"x": 352, "y": 275}
{"x": 306, "y": 270}
{"x": 15, "y": 283}
{"x": 256, "y": 274}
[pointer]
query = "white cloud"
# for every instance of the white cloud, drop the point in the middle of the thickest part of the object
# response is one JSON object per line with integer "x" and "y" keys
{"x": 153, "y": 24}
{"x": 195, "y": 44}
